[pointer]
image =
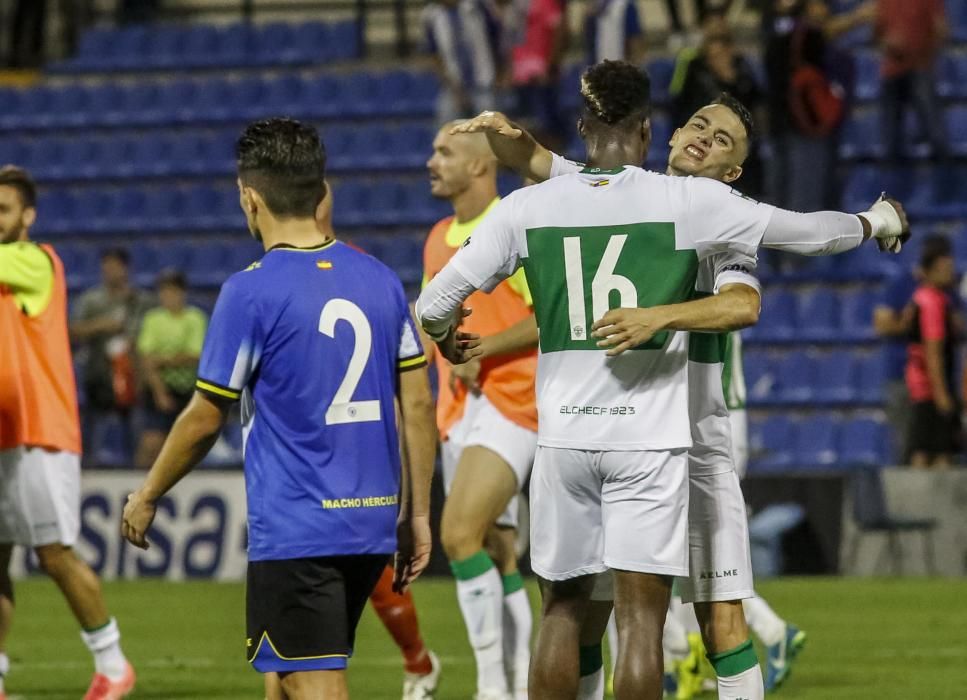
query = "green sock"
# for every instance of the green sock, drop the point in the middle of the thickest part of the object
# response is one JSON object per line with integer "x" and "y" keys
{"x": 473, "y": 566}
{"x": 512, "y": 582}
{"x": 734, "y": 661}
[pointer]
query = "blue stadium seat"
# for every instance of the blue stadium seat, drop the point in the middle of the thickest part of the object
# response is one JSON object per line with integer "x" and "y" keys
{"x": 60, "y": 208}
{"x": 796, "y": 377}
{"x": 872, "y": 376}
{"x": 957, "y": 129}
{"x": 836, "y": 378}
{"x": 312, "y": 43}
{"x": 771, "y": 444}
{"x": 867, "y": 75}
{"x": 952, "y": 75}
{"x": 864, "y": 442}
{"x": 860, "y": 137}
{"x": 207, "y": 262}
{"x": 275, "y": 45}
{"x": 350, "y": 203}
{"x": 957, "y": 17}
{"x": 388, "y": 203}
{"x": 108, "y": 444}
{"x": 817, "y": 313}
{"x": 234, "y": 46}
{"x": 817, "y": 442}
{"x": 778, "y": 317}
{"x": 344, "y": 41}
{"x": 325, "y": 96}
{"x": 761, "y": 377}
{"x": 404, "y": 254}
{"x": 856, "y": 315}
{"x": 660, "y": 71}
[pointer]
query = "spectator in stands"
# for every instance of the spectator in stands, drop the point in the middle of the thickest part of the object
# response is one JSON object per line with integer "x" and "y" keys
{"x": 612, "y": 30}
{"x": 893, "y": 320}
{"x": 715, "y": 68}
{"x": 910, "y": 36}
{"x": 808, "y": 82}
{"x": 540, "y": 38}
{"x": 935, "y": 416}
{"x": 169, "y": 346}
{"x": 463, "y": 38}
{"x": 677, "y": 39}
{"x": 104, "y": 325}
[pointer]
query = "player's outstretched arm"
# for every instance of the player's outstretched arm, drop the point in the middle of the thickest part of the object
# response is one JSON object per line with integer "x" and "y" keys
{"x": 513, "y": 145}
{"x": 419, "y": 437}
{"x": 829, "y": 233}
{"x": 735, "y": 306}
{"x": 520, "y": 337}
{"x": 190, "y": 439}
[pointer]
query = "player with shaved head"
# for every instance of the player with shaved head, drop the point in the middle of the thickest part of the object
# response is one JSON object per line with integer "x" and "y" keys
{"x": 487, "y": 418}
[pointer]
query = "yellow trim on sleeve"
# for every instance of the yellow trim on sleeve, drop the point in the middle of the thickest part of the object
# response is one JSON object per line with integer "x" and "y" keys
{"x": 412, "y": 362}
{"x": 217, "y": 390}
{"x": 265, "y": 638}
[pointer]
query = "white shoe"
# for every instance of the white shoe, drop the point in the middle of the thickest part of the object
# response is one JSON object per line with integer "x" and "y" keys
{"x": 422, "y": 687}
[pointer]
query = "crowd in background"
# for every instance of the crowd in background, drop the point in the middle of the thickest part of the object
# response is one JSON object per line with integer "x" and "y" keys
{"x": 137, "y": 353}
{"x": 137, "y": 356}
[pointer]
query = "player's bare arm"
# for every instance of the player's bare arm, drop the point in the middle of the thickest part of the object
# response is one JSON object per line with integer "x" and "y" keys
{"x": 513, "y": 145}
{"x": 520, "y": 337}
{"x": 193, "y": 435}
{"x": 735, "y": 306}
{"x": 420, "y": 439}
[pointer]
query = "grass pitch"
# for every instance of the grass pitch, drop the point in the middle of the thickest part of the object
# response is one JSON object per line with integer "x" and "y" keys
{"x": 869, "y": 639}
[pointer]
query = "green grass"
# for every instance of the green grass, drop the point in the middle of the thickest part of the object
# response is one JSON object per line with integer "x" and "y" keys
{"x": 879, "y": 640}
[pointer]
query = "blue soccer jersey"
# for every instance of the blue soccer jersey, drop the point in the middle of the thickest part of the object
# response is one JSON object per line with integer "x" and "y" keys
{"x": 311, "y": 341}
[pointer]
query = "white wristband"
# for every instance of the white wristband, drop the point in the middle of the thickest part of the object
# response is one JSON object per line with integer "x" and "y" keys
{"x": 883, "y": 219}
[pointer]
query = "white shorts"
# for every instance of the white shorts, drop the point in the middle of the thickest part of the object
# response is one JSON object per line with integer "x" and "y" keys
{"x": 40, "y": 497}
{"x": 739, "y": 422}
{"x": 594, "y": 510}
{"x": 482, "y": 425}
{"x": 718, "y": 540}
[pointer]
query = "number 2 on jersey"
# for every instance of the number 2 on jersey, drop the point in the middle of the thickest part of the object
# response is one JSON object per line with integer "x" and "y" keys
{"x": 343, "y": 409}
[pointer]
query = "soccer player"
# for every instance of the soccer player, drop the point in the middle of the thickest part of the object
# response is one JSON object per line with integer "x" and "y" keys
{"x": 540, "y": 229}
{"x": 317, "y": 341}
{"x": 40, "y": 440}
{"x": 487, "y": 419}
{"x": 714, "y": 144}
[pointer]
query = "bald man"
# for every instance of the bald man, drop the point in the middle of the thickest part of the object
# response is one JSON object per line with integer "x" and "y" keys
{"x": 487, "y": 418}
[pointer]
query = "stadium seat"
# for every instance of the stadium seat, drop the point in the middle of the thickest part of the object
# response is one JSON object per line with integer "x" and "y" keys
{"x": 660, "y": 71}
{"x": 872, "y": 376}
{"x": 817, "y": 314}
{"x": 863, "y": 442}
{"x": 860, "y": 136}
{"x": 836, "y": 378}
{"x": 817, "y": 442}
{"x": 957, "y": 129}
{"x": 777, "y": 319}
{"x": 206, "y": 263}
{"x": 867, "y": 75}
{"x": 957, "y": 17}
{"x": 771, "y": 443}
{"x": 404, "y": 254}
{"x": 796, "y": 377}
{"x": 856, "y": 315}
{"x": 761, "y": 378}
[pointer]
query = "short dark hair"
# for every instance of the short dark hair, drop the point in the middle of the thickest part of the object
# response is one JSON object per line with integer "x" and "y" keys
{"x": 119, "y": 254}
{"x": 615, "y": 92}
{"x": 172, "y": 278}
{"x": 20, "y": 180}
{"x": 934, "y": 247}
{"x": 727, "y": 99}
{"x": 285, "y": 162}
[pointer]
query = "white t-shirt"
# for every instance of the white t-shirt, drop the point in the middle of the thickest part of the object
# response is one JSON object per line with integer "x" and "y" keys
{"x": 602, "y": 239}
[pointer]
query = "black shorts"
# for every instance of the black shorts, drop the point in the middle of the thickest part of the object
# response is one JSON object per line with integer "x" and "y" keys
{"x": 933, "y": 432}
{"x": 302, "y": 614}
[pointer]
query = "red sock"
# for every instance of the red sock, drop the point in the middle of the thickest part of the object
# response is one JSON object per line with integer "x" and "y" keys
{"x": 399, "y": 617}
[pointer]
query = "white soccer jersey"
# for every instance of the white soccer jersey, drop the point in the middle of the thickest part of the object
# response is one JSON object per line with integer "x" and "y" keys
{"x": 601, "y": 239}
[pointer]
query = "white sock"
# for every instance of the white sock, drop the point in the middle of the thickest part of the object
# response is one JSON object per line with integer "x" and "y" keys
{"x": 481, "y": 601}
{"x": 4, "y": 668}
{"x": 613, "y": 643}
{"x": 767, "y": 626}
{"x": 744, "y": 686}
{"x": 517, "y": 619}
{"x": 592, "y": 687}
{"x": 105, "y": 645}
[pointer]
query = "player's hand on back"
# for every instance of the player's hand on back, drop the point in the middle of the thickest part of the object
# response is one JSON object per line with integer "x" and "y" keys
{"x": 623, "y": 329}
{"x": 136, "y": 519}
{"x": 459, "y": 346}
{"x": 414, "y": 543}
{"x": 488, "y": 121}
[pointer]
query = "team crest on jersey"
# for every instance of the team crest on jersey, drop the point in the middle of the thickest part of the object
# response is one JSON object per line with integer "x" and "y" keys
{"x": 323, "y": 264}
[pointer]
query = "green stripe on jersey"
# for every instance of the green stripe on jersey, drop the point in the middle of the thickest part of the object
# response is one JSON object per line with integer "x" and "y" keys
{"x": 576, "y": 274}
